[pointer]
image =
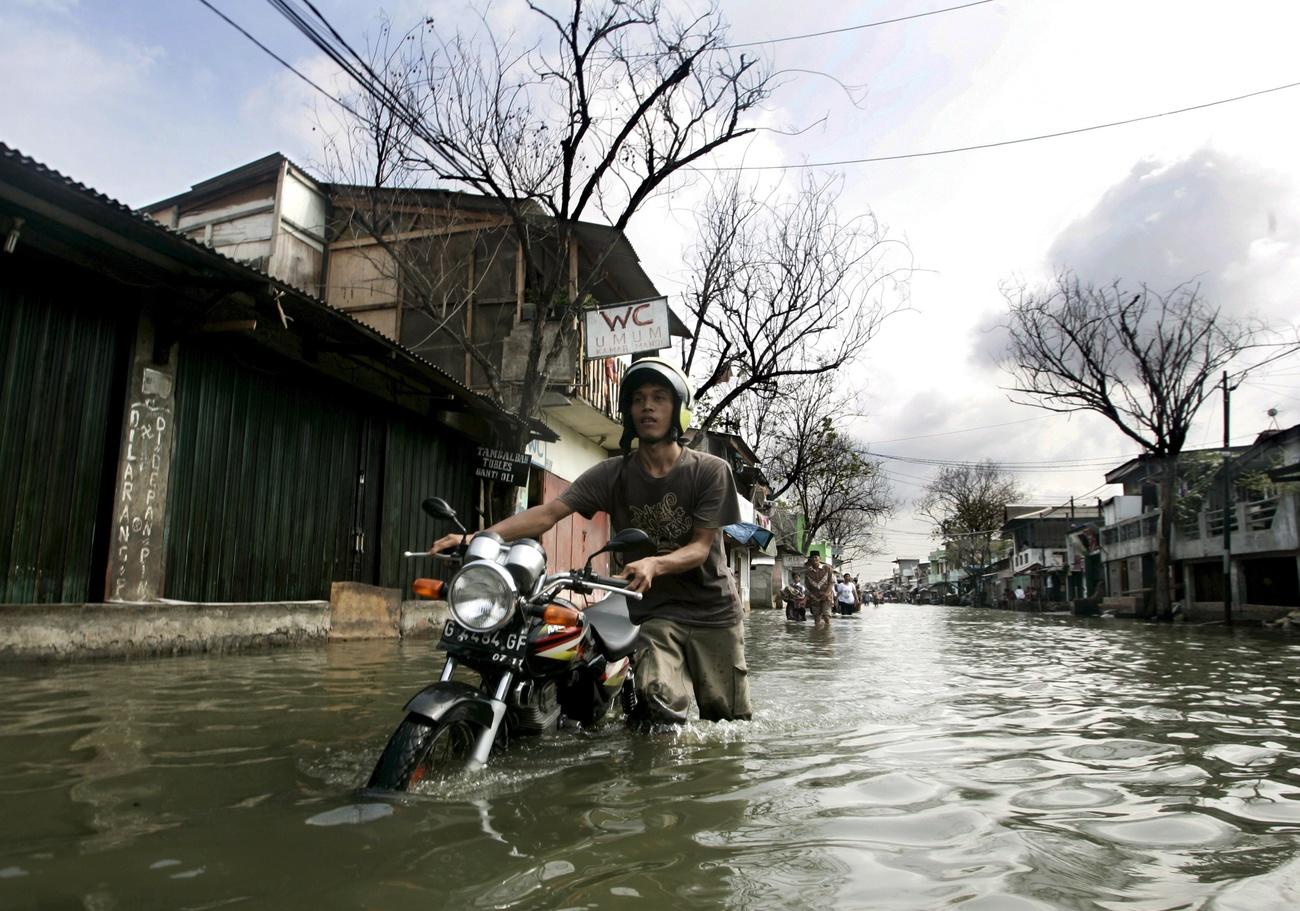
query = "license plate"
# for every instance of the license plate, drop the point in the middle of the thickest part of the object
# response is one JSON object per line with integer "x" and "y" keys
{"x": 504, "y": 647}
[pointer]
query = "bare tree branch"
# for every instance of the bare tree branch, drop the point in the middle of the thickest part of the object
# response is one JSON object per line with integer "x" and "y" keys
{"x": 781, "y": 289}
{"x": 612, "y": 100}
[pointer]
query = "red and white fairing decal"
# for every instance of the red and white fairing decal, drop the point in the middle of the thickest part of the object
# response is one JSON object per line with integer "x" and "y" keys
{"x": 560, "y": 643}
{"x": 615, "y": 671}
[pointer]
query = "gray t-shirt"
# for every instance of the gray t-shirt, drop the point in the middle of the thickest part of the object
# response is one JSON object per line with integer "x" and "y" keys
{"x": 697, "y": 492}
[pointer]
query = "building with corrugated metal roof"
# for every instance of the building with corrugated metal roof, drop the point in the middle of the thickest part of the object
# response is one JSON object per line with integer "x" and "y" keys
{"x": 441, "y": 273}
{"x": 182, "y": 425}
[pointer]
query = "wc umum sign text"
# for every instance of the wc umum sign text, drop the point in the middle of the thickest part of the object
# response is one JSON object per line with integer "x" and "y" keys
{"x": 628, "y": 328}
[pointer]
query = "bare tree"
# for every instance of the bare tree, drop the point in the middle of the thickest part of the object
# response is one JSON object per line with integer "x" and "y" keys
{"x": 966, "y": 503}
{"x": 1146, "y": 361}
{"x": 787, "y": 425}
{"x": 842, "y": 493}
{"x": 824, "y": 474}
{"x": 851, "y": 537}
{"x": 589, "y": 122}
{"x": 782, "y": 289}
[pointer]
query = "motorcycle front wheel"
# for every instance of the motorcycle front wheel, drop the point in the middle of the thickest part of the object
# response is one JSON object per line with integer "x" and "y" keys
{"x": 421, "y": 750}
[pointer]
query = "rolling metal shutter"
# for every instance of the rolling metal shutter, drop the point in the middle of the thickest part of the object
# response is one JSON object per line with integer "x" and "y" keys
{"x": 61, "y": 367}
{"x": 266, "y": 486}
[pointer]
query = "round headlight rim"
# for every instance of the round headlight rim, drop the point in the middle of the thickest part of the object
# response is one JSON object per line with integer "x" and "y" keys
{"x": 510, "y": 589}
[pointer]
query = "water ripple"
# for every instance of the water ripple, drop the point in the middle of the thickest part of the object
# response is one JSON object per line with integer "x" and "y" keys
{"x": 916, "y": 758}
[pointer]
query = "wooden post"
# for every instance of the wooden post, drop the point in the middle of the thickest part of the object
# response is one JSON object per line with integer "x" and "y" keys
{"x": 1227, "y": 510}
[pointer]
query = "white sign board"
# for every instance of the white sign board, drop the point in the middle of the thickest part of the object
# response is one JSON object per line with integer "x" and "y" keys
{"x": 628, "y": 328}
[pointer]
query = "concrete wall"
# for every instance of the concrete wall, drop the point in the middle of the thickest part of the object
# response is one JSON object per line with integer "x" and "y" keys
{"x": 1117, "y": 509}
{"x": 569, "y": 456}
{"x": 61, "y": 631}
{"x": 120, "y": 630}
{"x": 1206, "y": 611}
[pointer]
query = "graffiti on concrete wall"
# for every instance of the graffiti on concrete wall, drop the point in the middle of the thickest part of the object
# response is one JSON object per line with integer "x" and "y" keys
{"x": 136, "y": 559}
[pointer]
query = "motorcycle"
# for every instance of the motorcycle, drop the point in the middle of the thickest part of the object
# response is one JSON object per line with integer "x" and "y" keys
{"x": 537, "y": 657}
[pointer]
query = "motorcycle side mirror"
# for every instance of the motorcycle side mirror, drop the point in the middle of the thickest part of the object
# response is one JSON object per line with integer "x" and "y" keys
{"x": 632, "y": 543}
{"x": 438, "y": 508}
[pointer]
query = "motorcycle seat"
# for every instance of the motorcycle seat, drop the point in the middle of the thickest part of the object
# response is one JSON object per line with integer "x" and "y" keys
{"x": 613, "y": 628}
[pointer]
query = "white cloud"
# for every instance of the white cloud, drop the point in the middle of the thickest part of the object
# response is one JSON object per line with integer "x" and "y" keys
{"x": 80, "y": 88}
{"x": 294, "y": 117}
{"x": 1218, "y": 220}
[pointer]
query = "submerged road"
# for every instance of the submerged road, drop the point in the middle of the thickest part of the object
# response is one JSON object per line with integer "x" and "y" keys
{"x": 915, "y": 758}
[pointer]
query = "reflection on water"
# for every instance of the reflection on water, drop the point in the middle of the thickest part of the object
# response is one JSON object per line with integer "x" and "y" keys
{"x": 916, "y": 758}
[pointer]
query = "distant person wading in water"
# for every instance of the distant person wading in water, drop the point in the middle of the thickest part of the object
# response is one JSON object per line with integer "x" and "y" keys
{"x": 820, "y": 582}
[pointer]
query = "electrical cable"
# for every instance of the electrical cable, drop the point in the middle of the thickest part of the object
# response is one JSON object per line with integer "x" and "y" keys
{"x": 853, "y": 28}
{"x": 1004, "y": 142}
{"x": 1013, "y": 467}
{"x": 382, "y": 93}
{"x": 945, "y": 433}
{"x": 277, "y": 58}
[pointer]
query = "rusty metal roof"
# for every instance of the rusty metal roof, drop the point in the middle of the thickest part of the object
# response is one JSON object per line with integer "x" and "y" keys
{"x": 45, "y": 193}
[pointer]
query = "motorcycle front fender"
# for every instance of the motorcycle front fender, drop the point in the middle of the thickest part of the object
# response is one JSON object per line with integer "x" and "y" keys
{"x": 437, "y": 699}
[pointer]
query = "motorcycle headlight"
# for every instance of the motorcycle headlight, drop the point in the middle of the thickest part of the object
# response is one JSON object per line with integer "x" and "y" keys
{"x": 482, "y": 596}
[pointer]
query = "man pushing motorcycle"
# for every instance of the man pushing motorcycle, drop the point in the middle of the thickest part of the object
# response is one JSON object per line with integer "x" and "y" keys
{"x": 692, "y": 637}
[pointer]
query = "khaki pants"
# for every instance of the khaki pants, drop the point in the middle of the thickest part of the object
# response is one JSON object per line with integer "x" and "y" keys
{"x": 677, "y": 661}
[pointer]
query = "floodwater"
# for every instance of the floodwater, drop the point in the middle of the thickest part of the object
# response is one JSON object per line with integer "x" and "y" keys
{"x": 915, "y": 758}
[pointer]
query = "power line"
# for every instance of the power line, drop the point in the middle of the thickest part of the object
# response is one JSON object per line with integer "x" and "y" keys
{"x": 853, "y": 28}
{"x": 945, "y": 433}
{"x": 1000, "y": 143}
{"x": 1033, "y": 463}
{"x": 1292, "y": 348}
{"x": 277, "y": 58}
{"x": 1090, "y": 464}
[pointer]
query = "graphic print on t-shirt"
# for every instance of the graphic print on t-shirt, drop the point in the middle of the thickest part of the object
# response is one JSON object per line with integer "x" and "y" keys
{"x": 665, "y": 522}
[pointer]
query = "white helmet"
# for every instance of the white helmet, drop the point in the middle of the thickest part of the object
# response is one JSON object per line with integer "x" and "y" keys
{"x": 654, "y": 369}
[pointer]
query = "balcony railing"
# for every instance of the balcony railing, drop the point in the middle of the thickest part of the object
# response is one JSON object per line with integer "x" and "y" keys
{"x": 1260, "y": 513}
{"x": 599, "y": 384}
{"x": 1253, "y": 515}
{"x": 1135, "y": 529}
{"x": 1214, "y": 522}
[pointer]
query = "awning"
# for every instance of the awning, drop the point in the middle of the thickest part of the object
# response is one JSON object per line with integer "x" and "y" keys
{"x": 749, "y": 534}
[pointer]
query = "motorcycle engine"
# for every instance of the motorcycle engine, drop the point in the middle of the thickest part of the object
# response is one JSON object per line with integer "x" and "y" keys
{"x": 534, "y": 708}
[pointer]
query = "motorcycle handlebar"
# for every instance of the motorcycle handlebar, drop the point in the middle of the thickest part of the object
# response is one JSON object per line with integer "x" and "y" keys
{"x": 454, "y": 557}
{"x": 612, "y": 581}
{"x": 580, "y": 581}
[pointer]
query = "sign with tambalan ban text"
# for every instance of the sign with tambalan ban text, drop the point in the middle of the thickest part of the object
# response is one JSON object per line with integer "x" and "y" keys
{"x": 628, "y": 328}
{"x": 500, "y": 465}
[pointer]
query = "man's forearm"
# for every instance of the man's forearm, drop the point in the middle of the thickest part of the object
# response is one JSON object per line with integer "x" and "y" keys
{"x": 682, "y": 559}
{"x": 531, "y": 523}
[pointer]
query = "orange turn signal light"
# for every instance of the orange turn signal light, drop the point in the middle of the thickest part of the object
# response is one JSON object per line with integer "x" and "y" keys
{"x": 560, "y": 615}
{"x": 428, "y": 589}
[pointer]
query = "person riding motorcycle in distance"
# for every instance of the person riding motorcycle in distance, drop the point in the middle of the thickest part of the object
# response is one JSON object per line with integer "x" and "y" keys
{"x": 692, "y": 637}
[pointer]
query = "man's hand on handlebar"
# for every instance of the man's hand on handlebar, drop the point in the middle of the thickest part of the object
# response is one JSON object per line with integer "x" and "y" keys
{"x": 449, "y": 542}
{"x": 640, "y": 574}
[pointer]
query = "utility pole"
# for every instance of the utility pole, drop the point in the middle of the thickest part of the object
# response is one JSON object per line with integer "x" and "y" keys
{"x": 1227, "y": 510}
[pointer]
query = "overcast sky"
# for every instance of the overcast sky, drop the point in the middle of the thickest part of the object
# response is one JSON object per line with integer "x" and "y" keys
{"x": 142, "y": 99}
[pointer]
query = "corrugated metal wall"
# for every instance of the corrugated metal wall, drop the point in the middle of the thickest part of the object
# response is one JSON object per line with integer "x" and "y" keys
{"x": 60, "y": 418}
{"x": 274, "y": 476}
{"x": 265, "y": 485}
{"x": 422, "y": 462}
